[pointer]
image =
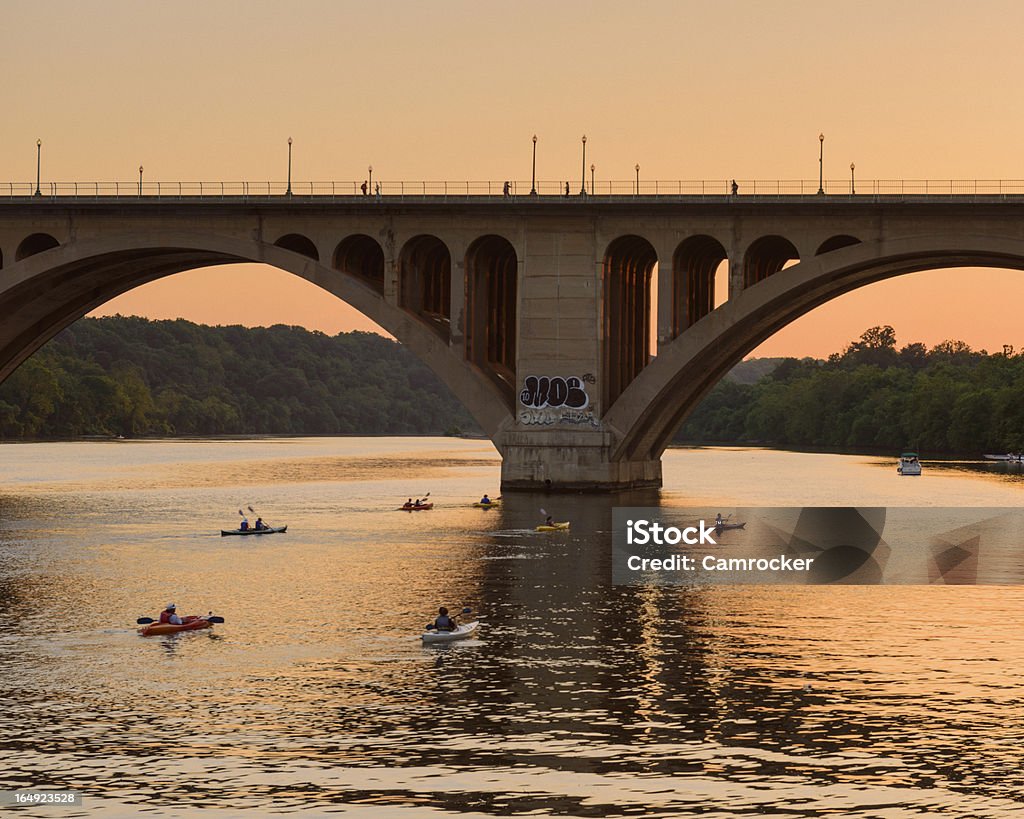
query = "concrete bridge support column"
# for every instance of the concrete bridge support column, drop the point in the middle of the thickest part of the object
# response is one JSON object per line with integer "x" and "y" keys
{"x": 561, "y": 461}
{"x": 556, "y": 440}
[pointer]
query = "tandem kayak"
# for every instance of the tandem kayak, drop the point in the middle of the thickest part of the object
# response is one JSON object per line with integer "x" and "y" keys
{"x": 555, "y": 527}
{"x": 193, "y": 623}
{"x": 490, "y": 505}
{"x": 273, "y": 530}
{"x": 421, "y": 508}
{"x": 461, "y": 633}
{"x": 721, "y": 527}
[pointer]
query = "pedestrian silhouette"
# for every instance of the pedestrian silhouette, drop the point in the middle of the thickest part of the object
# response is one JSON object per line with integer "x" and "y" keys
{"x": 566, "y": 188}
{"x": 735, "y": 188}
{"x": 506, "y": 189}
{"x": 363, "y": 188}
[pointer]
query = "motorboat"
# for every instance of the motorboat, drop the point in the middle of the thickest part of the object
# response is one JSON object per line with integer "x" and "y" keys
{"x": 910, "y": 464}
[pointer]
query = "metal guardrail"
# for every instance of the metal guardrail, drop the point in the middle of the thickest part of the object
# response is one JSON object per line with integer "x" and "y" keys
{"x": 518, "y": 190}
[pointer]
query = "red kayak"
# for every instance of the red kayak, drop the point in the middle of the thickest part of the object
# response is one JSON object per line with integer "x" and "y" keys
{"x": 192, "y": 623}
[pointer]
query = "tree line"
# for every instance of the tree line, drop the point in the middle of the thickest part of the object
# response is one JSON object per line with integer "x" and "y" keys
{"x": 946, "y": 400}
{"x": 134, "y": 377}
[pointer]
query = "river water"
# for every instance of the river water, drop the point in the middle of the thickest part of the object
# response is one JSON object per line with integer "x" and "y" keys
{"x": 577, "y": 698}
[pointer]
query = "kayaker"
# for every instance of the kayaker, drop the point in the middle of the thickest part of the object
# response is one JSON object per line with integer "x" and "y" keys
{"x": 170, "y": 615}
{"x": 444, "y": 622}
{"x": 244, "y": 525}
{"x": 260, "y": 525}
{"x": 407, "y": 504}
{"x": 549, "y": 521}
{"x": 485, "y": 499}
{"x": 718, "y": 520}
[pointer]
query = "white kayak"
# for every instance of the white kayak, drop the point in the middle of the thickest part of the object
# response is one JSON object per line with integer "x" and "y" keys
{"x": 461, "y": 633}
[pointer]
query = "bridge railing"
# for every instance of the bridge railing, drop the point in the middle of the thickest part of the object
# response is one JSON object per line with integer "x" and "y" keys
{"x": 520, "y": 191}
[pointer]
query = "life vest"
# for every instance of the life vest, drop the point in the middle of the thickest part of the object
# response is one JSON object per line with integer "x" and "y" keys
{"x": 445, "y": 623}
{"x": 165, "y": 616}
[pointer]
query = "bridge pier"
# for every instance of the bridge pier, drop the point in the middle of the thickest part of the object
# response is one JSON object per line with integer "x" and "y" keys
{"x": 570, "y": 461}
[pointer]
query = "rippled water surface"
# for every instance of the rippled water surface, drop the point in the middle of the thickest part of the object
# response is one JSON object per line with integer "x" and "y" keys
{"x": 576, "y": 699}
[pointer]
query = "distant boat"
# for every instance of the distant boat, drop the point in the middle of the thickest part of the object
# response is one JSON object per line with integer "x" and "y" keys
{"x": 1016, "y": 459}
{"x": 910, "y": 464}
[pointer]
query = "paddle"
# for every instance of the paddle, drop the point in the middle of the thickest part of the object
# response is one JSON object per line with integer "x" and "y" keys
{"x": 145, "y": 621}
{"x": 465, "y": 610}
{"x": 267, "y": 525}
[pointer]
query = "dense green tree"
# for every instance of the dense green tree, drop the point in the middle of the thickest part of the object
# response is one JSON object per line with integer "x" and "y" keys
{"x": 947, "y": 400}
{"x": 131, "y": 376}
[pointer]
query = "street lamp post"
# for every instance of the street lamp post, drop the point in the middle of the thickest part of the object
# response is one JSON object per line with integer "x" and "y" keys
{"x": 593, "y": 190}
{"x": 583, "y": 180}
{"x": 533, "y": 177}
{"x": 637, "y": 178}
{"x": 821, "y": 156}
{"x": 39, "y": 153}
{"x": 369, "y": 187}
{"x": 852, "y": 190}
{"x": 140, "y": 180}
{"x": 288, "y": 191}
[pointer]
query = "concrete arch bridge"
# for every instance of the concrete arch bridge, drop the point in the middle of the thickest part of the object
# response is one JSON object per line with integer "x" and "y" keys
{"x": 537, "y": 312}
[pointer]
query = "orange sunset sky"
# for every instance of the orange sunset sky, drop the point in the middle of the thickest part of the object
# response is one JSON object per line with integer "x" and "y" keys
{"x": 212, "y": 89}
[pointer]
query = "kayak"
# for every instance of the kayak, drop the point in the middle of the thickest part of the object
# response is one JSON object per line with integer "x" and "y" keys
{"x": 461, "y": 633}
{"x": 555, "y": 527}
{"x": 273, "y": 530}
{"x": 490, "y": 505}
{"x": 721, "y": 527}
{"x": 422, "y": 507}
{"x": 192, "y": 623}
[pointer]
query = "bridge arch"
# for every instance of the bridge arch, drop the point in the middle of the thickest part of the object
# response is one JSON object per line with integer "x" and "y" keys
{"x": 492, "y": 274}
{"x": 648, "y": 414}
{"x": 361, "y": 256}
{"x": 766, "y": 257}
{"x": 297, "y": 243}
{"x": 694, "y": 265}
{"x": 43, "y": 294}
{"x": 425, "y": 282}
{"x": 836, "y": 243}
{"x": 628, "y": 267}
{"x": 36, "y": 243}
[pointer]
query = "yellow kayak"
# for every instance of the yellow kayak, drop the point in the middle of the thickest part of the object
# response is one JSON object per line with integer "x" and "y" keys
{"x": 555, "y": 527}
{"x": 490, "y": 505}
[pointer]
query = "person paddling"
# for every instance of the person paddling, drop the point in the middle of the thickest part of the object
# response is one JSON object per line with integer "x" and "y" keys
{"x": 244, "y": 525}
{"x": 260, "y": 525}
{"x": 549, "y": 521}
{"x": 170, "y": 615}
{"x": 407, "y": 504}
{"x": 485, "y": 499}
{"x": 444, "y": 622}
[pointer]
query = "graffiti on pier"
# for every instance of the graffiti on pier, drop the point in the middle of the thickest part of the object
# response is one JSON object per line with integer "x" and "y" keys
{"x": 556, "y": 400}
{"x": 543, "y": 391}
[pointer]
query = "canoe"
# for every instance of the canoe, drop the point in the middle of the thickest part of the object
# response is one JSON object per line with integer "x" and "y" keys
{"x": 192, "y": 623}
{"x": 721, "y": 527}
{"x": 273, "y": 530}
{"x": 422, "y": 507}
{"x": 461, "y": 633}
{"x": 556, "y": 527}
{"x": 490, "y": 505}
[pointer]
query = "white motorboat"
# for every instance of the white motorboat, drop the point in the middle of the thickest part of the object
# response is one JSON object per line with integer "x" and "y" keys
{"x": 910, "y": 464}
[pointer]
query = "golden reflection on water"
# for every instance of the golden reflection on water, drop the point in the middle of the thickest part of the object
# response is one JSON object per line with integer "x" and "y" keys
{"x": 577, "y": 698}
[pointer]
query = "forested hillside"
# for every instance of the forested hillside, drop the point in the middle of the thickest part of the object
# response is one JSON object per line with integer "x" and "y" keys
{"x": 131, "y": 376}
{"x": 945, "y": 400}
